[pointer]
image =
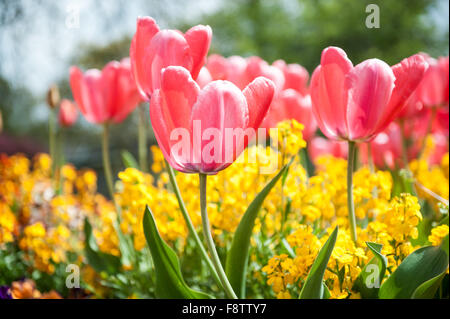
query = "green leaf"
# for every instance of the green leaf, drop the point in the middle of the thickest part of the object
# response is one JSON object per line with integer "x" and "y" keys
{"x": 169, "y": 280}
{"x": 313, "y": 286}
{"x": 326, "y": 292}
{"x": 377, "y": 263}
{"x": 419, "y": 267}
{"x": 100, "y": 261}
{"x": 237, "y": 257}
{"x": 428, "y": 289}
{"x": 128, "y": 159}
{"x": 444, "y": 245}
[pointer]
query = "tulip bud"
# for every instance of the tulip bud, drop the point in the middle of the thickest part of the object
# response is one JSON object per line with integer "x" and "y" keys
{"x": 53, "y": 96}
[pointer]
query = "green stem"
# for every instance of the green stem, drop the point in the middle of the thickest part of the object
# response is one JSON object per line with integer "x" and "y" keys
{"x": 125, "y": 242}
{"x": 191, "y": 228}
{"x": 106, "y": 162}
{"x": 52, "y": 139}
{"x": 142, "y": 139}
{"x": 370, "y": 158}
{"x": 350, "y": 203}
{"x": 210, "y": 242}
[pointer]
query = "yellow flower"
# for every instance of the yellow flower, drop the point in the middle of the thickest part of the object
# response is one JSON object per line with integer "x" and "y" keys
{"x": 437, "y": 234}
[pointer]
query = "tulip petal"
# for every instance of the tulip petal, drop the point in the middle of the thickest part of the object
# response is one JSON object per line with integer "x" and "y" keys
{"x": 88, "y": 93}
{"x": 168, "y": 47}
{"x": 220, "y": 106}
{"x": 162, "y": 131}
{"x": 259, "y": 95}
{"x": 408, "y": 74}
{"x": 199, "y": 40}
{"x": 145, "y": 30}
{"x": 329, "y": 94}
{"x": 179, "y": 92}
{"x": 370, "y": 86}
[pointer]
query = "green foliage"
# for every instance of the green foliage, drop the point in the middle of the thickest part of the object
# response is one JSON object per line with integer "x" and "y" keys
{"x": 313, "y": 288}
{"x": 169, "y": 280}
{"x": 237, "y": 258}
{"x": 100, "y": 261}
{"x": 380, "y": 262}
{"x": 419, "y": 267}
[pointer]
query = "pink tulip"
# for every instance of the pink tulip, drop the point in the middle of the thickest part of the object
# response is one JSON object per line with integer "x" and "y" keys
{"x": 290, "y": 104}
{"x": 181, "y": 109}
{"x": 153, "y": 49}
{"x": 356, "y": 103}
{"x": 386, "y": 148}
{"x": 204, "y": 77}
{"x": 320, "y": 146}
{"x": 433, "y": 89}
{"x": 412, "y": 107}
{"x": 232, "y": 69}
{"x": 105, "y": 96}
{"x": 296, "y": 76}
{"x": 258, "y": 67}
{"x": 442, "y": 121}
{"x": 68, "y": 113}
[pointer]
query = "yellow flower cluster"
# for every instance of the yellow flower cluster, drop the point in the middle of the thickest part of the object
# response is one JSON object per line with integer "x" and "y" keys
{"x": 321, "y": 203}
{"x": 437, "y": 234}
{"x": 434, "y": 178}
{"x": 44, "y": 215}
{"x": 8, "y": 224}
{"x": 45, "y": 248}
{"x": 137, "y": 191}
{"x": 288, "y": 136}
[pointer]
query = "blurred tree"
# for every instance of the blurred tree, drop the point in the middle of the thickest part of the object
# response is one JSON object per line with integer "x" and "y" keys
{"x": 298, "y": 30}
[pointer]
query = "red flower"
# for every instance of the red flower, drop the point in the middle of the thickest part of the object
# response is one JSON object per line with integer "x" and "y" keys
{"x": 105, "y": 96}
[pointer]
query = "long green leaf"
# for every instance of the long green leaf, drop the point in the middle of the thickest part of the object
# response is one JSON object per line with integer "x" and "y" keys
{"x": 169, "y": 280}
{"x": 237, "y": 257}
{"x": 419, "y": 267}
{"x": 313, "y": 286}
{"x": 377, "y": 263}
{"x": 100, "y": 261}
{"x": 428, "y": 289}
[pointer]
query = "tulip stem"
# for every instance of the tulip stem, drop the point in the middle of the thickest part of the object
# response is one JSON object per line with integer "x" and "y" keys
{"x": 106, "y": 161}
{"x": 350, "y": 202}
{"x": 142, "y": 139}
{"x": 52, "y": 139}
{"x": 210, "y": 242}
{"x": 190, "y": 225}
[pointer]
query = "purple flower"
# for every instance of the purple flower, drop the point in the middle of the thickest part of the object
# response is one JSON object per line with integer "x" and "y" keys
{"x": 5, "y": 292}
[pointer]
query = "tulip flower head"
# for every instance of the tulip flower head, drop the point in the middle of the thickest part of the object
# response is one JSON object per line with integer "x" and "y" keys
{"x": 296, "y": 76}
{"x": 386, "y": 148}
{"x": 320, "y": 146}
{"x": 355, "y": 103}
{"x": 68, "y": 113}
{"x": 153, "y": 49}
{"x": 203, "y": 130}
{"x": 290, "y": 104}
{"x": 232, "y": 69}
{"x": 433, "y": 89}
{"x": 109, "y": 95}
